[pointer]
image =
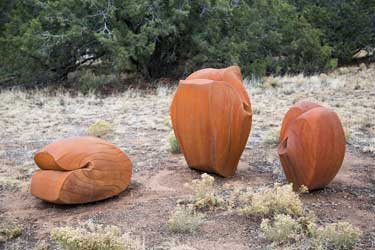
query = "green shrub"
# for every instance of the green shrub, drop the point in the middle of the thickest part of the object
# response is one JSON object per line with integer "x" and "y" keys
{"x": 346, "y": 26}
{"x": 93, "y": 237}
{"x": 90, "y": 81}
{"x": 43, "y": 42}
{"x": 174, "y": 145}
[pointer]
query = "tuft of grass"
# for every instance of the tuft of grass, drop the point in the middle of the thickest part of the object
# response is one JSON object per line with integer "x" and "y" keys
{"x": 348, "y": 135}
{"x": 271, "y": 82}
{"x": 10, "y": 231}
{"x": 204, "y": 193}
{"x": 185, "y": 220}
{"x": 174, "y": 145}
{"x": 94, "y": 237}
{"x": 100, "y": 128}
{"x": 272, "y": 137}
{"x": 167, "y": 121}
{"x": 272, "y": 200}
{"x": 370, "y": 148}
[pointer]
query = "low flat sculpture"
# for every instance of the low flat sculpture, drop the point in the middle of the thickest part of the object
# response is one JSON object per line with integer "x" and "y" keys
{"x": 80, "y": 170}
{"x": 312, "y": 145}
{"x": 211, "y": 118}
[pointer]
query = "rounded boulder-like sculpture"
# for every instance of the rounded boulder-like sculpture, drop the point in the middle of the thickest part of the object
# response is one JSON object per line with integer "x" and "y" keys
{"x": 312, "y": 145}
{"x": 211, "y": 117}
{"x": 80, "y": 170}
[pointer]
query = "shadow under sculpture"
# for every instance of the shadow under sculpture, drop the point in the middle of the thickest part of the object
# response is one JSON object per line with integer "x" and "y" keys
{"x": 80, "y": 170}
{"x": 211, "y": 117}
{"x": 312, "y": 145}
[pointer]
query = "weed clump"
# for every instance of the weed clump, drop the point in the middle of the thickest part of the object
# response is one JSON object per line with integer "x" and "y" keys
{"x": 100, "y": 128}
{"x": 291, "y": 226}
{"x": 94, "y": 237}
{"x": 185, "y": 220}
{"x": 292, "y": 233}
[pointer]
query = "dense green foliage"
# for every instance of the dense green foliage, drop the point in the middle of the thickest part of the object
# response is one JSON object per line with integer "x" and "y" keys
{"x": 347, "y": 25}
{"x": 44, "y": 40}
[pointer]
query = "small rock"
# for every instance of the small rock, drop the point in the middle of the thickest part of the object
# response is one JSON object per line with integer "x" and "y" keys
{"x": 344, "y": 70}
{"x": 362, "y": 66}
{"x": 323, "y": 76}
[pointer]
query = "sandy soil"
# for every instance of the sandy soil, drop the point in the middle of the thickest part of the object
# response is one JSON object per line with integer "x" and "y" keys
{"x": 140, "y": 120}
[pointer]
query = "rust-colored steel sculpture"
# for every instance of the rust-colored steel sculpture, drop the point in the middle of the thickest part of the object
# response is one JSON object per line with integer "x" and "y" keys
{"x": 211, "y": 117}
{"x": 312, "y": 145}
{"x": 80, "y": 170}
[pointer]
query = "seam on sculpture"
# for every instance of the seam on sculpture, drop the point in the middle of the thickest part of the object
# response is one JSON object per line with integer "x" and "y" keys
{"x": 95, "y": 153}
{"x": 289, "y": 165}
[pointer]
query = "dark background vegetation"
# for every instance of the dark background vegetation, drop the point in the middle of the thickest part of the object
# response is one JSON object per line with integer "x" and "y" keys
{"x": 91, "y": 44}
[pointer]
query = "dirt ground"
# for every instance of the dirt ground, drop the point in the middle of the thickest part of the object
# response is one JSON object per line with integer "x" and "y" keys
{"x": 141, "y": 128}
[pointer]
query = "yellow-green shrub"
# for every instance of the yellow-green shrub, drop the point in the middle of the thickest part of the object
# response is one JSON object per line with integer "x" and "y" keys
{"x": 100, "y": 128}
{"x": 338, "y": 236}
{"x": 94, "y": 237}
{"x": 272, "y": 200}
{"x": 204, "y": 194}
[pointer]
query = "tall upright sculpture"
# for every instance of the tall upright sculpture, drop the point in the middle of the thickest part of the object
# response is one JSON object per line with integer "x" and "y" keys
{"x": 80, "y": 170}
{"x": 211, "y": 117}
{"x": 312, "y": 145}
